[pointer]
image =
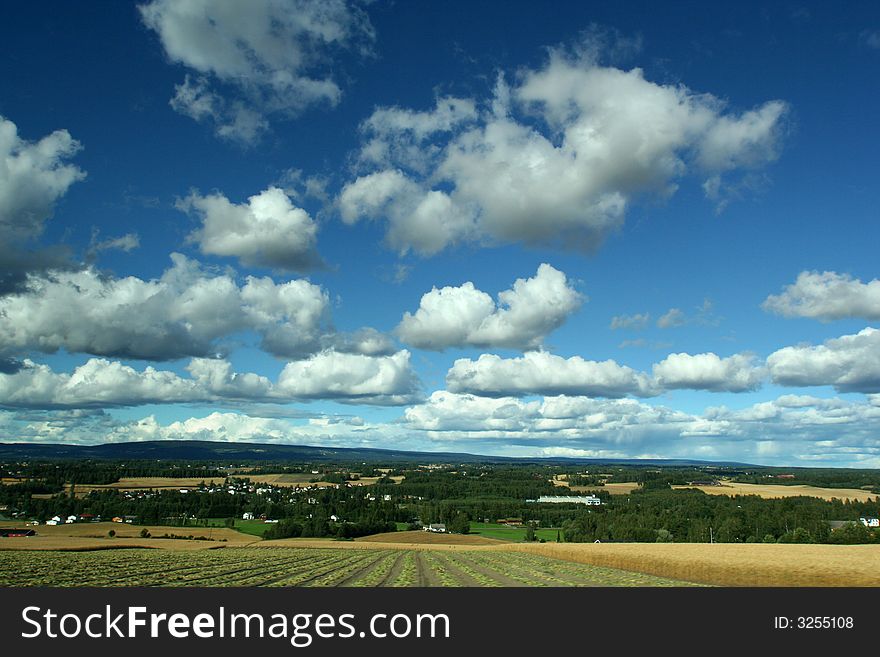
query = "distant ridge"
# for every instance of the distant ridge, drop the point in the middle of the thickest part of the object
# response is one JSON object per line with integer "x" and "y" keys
{"x": 206, "y": 450}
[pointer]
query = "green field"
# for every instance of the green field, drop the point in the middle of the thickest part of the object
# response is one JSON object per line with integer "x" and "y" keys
{"x": 251, "y": 527}
{"x": 306, "y": 567}
{"x": 505, "y": 533}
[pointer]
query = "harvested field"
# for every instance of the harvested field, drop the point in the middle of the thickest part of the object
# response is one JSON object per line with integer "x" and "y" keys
{"x": 144, "y": 483}
{"x": 624, "y": 488}
{"x": 295, "y": 480}
{"x": 429, "y": 538}
{"x": 306, "y": 567}
{"x": 779, "y": 491}
{"x": 303, "y": 480}
{"x": 727, "y": 564}
{"x": 93, "y": 536}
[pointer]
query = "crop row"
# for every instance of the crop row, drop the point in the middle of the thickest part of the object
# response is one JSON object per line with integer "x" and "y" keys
{"x": 306, "y": 567}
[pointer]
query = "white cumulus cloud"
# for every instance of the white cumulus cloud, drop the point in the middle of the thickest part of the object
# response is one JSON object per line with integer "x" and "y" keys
{"x": 827, "y": 296}
{"x": 738, "y": 373}
{"x": 33, "y": 177}
{"x": 352, "y": 377}
{"x": 850, "y": 363}
{"x": 465, "y": 316}
{"x": 556, "y": 158}
{"x": 100, "y": 383}
{"x": 267, "y": 231}
{"x": 185, "y": 312}
{"x": 541, "y": 373}
{"x": 250, "y": 59}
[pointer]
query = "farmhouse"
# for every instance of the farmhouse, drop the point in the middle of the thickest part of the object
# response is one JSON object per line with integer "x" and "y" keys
{"x": 247, "y": 515}
{"x": 437, "y": 527}
{"x": 870, "y": 522}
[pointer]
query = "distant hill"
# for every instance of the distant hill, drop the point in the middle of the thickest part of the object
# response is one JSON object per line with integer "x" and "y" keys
{"x": 204, "y": 450}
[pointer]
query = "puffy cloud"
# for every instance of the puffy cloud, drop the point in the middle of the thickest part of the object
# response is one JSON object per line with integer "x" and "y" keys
{"x": 267, "y": 231}
{"x": 850, "y": 363}
{"x": 633, "y": 322}
{"x": 84, "y": 426}
{"x": 269, "y": 55}
{"x": 183, "y": 313}
{"x": 366, "y": 341}
{"x": 540, "y": 373}
{"x": 464, "y": 315}
{"x": 97, "y": 383}
{"x": 738, "y": 373}
{"x": 426, "y": 221}
{"x": 351, "y": 377}
{"x": 560, "y": 417}
{"x": 216, "y": 377}
{"x": 33, "y": 176}
{"x": 100, "y": 383}
{"x": 827, "y": 296}
{"x": 400, "y": 135}
{"x": 555, "y": 159}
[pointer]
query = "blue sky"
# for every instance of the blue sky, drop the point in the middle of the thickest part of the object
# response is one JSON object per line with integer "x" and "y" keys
{"x": 610, "y": 229}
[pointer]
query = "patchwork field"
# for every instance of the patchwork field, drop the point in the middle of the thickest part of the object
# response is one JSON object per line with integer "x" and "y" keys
{"x": 307, "y": 567}
{"x": 780, "y": 491}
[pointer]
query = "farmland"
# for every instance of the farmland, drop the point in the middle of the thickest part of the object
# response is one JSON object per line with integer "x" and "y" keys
{"x": 304, "y": 480}
{"x": 308, "y": 567}
{"x": 96, "y": 536}
{"x": 779, "y": 491}
{"x": 507, "y": 533}
{"x": 320, "y": 562}
{"x": 620, "y": 488}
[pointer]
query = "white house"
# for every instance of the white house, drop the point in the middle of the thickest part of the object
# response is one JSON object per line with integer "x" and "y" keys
{"x": 247, "y": 515}
{"x": 870, "y": 522}
{"x": 70, "y": 520}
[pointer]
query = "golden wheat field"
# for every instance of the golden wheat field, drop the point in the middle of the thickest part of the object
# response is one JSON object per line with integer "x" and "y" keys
{"x": 775, "y": 491}
{"x": 728, "y": 564}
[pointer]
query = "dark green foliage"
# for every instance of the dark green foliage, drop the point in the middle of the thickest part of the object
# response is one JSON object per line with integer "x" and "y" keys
{"x": 460, "y": 524}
